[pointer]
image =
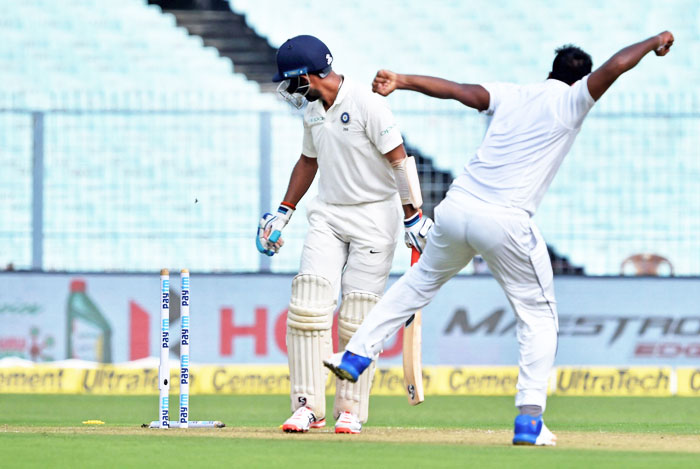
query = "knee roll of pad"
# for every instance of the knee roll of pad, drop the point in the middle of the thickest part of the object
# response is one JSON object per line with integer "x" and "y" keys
{"x": 312, "y": 304}
{"x": 355, "y": 307}
{"x": 354, "y": 397}
{"x": 309, "y": 341}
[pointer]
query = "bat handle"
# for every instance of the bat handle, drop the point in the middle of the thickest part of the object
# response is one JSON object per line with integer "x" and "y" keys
{"x": 415, "y": 255}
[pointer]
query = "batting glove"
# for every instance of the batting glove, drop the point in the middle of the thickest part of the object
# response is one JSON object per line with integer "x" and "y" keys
{"x": 417, "y": 228}
{"x": 269, "y": 237}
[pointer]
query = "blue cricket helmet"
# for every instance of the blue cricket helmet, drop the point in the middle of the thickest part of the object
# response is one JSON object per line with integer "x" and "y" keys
{"x": 300, "y": 55}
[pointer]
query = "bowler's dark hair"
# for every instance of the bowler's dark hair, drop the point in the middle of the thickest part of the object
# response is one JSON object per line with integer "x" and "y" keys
{"x": 571, "y": 64}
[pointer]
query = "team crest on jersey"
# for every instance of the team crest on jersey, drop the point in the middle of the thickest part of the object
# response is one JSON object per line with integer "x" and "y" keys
{"x": 345, "y": 118}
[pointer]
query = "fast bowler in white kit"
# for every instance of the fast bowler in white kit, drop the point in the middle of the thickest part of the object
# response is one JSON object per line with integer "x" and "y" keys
{"x": 488, "y": 211}
{"x": 351, "y": 139}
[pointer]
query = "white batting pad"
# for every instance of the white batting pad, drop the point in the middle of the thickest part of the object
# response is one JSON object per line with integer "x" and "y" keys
{"x": 309, "y": 341}
{"x": 354, "y": 397}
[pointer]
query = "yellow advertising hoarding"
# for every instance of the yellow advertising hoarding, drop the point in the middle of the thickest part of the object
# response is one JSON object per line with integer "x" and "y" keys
{"x": 612, "y": 381}
{"x": 244, "y": 379}
{"x": 43, "y": 379}
{"x": 688, "y": 381}
{"x": 274, "y": 379}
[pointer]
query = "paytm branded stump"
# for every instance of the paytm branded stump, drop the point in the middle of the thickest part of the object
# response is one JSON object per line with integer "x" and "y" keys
{"x": 183, "y": 420}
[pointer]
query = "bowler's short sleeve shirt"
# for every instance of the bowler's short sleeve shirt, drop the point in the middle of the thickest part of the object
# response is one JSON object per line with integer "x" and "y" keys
{"x": 531, "y": 130}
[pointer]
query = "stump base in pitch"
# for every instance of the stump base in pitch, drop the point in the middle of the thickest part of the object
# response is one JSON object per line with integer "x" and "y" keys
{"x": 192, "y": 424}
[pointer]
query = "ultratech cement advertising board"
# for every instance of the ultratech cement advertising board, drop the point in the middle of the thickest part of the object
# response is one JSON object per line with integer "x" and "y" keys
{"x": 240, "y": 319}
{"x": 141, "y": 377}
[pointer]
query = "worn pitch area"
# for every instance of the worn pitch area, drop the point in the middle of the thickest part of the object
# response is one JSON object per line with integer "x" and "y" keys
{"x": 646, "y": 442}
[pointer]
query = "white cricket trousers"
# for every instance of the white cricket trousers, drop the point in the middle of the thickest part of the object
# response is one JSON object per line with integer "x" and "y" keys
{"x": 352, "y": 246}
{"x": 517, "y": 256}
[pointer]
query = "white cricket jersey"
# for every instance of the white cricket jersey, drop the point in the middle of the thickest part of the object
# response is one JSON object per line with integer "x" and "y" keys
{"x": 349, "y": 141}
{"x": 532, "y": 130}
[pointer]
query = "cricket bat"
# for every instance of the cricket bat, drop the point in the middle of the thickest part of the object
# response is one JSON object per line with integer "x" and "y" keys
{"x": 412, "y": 366}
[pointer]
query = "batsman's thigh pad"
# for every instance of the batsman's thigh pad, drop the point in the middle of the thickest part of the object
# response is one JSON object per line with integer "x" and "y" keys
{"x": 354, "y": 397}
{"x": 309, "y": 341}
{"x": 372, "y": 230}
{"x": 325, "y": 252}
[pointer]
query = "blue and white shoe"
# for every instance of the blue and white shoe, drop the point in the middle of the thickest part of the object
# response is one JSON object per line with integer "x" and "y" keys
{"x": 531, "y": 430}
{"x": 347, "y": 365}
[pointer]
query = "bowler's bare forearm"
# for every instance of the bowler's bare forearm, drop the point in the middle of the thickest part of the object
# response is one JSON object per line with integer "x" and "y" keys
{"x": 621, "y": 62}
{"x": 474, "y": 96}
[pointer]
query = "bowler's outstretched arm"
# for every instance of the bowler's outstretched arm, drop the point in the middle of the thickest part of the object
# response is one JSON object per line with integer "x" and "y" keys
{"x": 474, "y": 96}
{"x": 626, "y": 59}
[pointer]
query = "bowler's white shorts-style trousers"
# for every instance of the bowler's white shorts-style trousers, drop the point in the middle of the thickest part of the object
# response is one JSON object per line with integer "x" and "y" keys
{"x": 517, "y": 256}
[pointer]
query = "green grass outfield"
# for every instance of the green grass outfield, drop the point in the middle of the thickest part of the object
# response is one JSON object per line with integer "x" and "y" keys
{"x": 46, "y": 431}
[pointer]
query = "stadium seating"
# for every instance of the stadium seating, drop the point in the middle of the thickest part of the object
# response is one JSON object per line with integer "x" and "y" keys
{"x": 140, "y": 119}
{"x": 628, "y": 184}
{"x": 482, "y": 40}
{"x": 107, "y": 46}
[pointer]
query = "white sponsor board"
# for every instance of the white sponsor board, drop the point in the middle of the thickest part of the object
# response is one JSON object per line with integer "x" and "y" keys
{"x": 240, "y": 319}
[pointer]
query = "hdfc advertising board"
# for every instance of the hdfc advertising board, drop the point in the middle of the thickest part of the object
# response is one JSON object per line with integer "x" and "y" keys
{"x": 240, "y": 319}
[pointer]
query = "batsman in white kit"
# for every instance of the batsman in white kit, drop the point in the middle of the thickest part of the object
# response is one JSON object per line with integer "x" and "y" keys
{"x": 351, "y": 139}
{"x": 488, "y": 211}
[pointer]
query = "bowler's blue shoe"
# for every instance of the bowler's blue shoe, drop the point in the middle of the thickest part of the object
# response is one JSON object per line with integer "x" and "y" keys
{"x": 531, "y": 430}
{"x": 347, "y": 365}
{"x": 527, "y": 428}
